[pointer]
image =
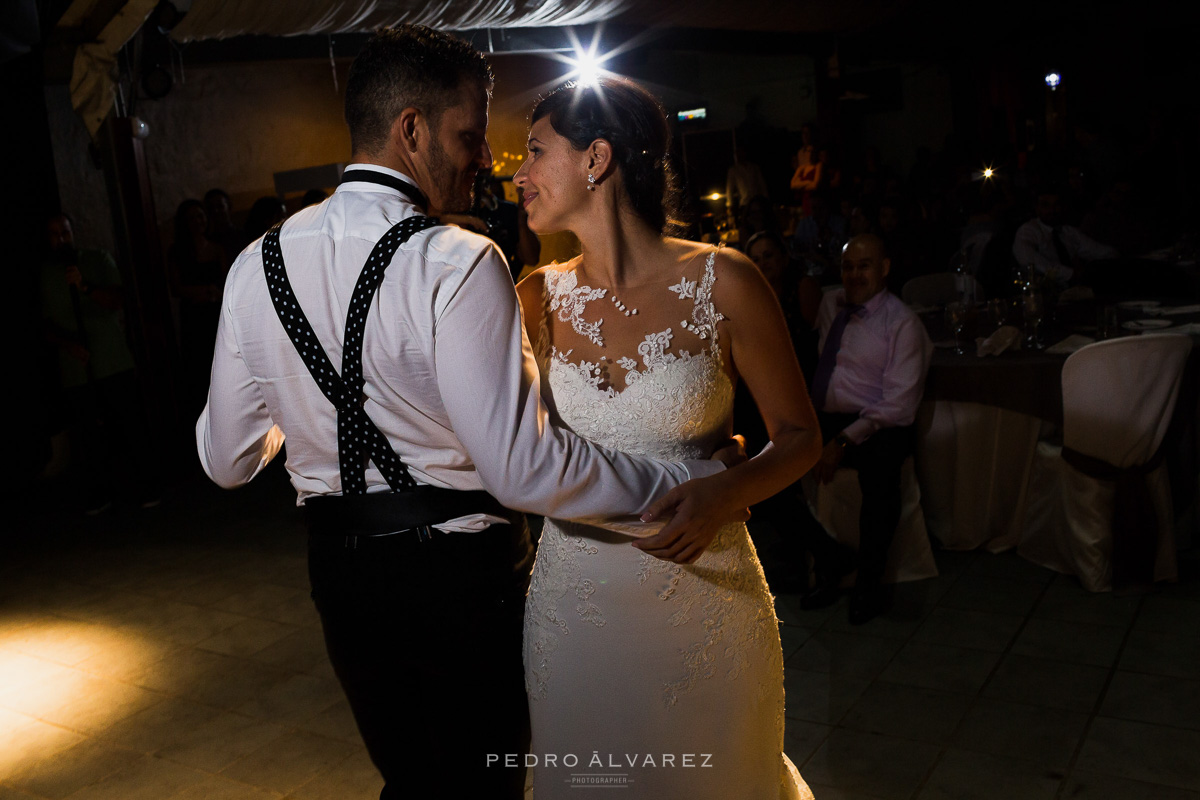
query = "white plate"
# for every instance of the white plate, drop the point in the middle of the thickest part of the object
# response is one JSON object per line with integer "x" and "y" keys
{"x": 1139, "y": 305}
{"x": 1146, "y": 324}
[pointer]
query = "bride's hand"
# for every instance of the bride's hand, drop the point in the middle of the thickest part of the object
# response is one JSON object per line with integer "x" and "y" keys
{"x": 697, "y": 510}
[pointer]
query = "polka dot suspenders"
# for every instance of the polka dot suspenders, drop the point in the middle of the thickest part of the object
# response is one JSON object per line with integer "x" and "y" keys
{"x": 359, "y": 440}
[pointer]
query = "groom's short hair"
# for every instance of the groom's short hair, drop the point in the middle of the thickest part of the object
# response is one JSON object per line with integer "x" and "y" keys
{"x": 407, "y": 66}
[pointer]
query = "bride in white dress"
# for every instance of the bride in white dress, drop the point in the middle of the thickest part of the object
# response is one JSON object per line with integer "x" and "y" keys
{"x": 660, "y": 677}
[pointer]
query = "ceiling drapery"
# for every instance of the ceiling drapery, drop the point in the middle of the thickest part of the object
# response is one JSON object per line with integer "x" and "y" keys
{"x": 94, "y": 73}
{"x": 222, "y": 19}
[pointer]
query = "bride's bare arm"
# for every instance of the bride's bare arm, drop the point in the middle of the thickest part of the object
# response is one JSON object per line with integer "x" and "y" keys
{"x": 762, "y": 355}
{"x": 529, "y": 292}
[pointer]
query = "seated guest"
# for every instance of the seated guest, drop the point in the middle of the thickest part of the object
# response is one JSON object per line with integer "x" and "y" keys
{"x": 870, "y": 376}
{"x": 757, "y": 216}
{"x": 1055, "y": 250}
{"x": 864, "y": 218}
{"x": 799, "y": 294}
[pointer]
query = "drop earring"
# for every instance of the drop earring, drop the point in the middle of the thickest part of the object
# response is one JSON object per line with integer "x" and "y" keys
{"x": 591, "y": 182}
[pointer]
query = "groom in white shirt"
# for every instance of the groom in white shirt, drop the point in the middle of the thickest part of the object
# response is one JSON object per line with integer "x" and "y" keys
{"x": 418, "y": 570}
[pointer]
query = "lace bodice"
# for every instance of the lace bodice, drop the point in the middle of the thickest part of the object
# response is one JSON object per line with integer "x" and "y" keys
{"x": 671, "y": 398}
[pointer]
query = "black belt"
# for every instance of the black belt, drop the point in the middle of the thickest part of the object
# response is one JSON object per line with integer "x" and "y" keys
{"x": 409, "y": 538}
{"x": 395, "y": 516}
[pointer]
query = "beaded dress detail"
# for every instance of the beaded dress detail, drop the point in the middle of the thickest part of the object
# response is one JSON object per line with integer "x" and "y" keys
{"x": 628, "y": 656}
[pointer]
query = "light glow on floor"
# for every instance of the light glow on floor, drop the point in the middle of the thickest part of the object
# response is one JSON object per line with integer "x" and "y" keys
{"x": 60, "y": 680}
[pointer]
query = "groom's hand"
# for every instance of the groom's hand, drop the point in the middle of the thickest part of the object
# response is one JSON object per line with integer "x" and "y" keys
{"x": 731, "y": 452}
{"x": 697, "y": 510}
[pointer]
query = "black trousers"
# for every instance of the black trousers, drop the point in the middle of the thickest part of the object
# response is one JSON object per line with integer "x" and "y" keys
{"x": 425, "y": 638}
{"x": 878, "y": 461}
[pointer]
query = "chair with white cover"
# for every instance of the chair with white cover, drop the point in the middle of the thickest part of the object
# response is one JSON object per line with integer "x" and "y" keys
{"x": 836, "y": 506}
{"x": 937, "y": 289}
{"x": 1118, "y": 399}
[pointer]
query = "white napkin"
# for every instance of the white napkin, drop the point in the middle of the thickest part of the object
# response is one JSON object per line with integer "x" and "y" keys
{"x": 1006, "y": 338}
{"x": 1070, "y": 344}
{"x": 1076, "y": 293}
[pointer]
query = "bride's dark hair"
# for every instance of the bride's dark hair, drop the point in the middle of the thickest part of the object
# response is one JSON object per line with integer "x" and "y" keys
{"x": 631, "y": 120}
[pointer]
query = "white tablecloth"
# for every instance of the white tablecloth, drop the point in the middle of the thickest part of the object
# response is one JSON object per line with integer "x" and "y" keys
{"x": 973, "y": 465}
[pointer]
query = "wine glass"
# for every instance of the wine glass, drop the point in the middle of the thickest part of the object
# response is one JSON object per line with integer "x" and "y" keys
{"x": 997, "y": 313}
{"x": 1034, "y": 309}
{"x": 956, "y": 321}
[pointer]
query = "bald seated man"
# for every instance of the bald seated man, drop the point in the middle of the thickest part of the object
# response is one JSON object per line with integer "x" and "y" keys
{"x": 874, "y": 354}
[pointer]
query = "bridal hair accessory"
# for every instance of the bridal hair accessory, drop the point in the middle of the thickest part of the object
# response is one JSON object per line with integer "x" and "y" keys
{"x": 591, "y": 182}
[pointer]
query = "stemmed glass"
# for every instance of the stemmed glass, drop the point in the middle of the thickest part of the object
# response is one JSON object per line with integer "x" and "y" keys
{"x": 997, "y": 313}
{"x": 1034, "y": 309}
{"x": 956, "y": 321}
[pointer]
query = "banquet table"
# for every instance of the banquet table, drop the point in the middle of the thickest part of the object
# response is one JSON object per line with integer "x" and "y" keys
{"x": 978, "y": 427}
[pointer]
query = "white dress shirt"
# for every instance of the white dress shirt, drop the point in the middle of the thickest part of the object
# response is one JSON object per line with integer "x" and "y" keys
{"x": 881, "y": 364}
{"x": 450, "y": 377}
{"x": 1034, "y": 244}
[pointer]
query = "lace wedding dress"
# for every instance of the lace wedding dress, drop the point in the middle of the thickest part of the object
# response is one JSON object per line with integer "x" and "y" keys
{"x": 661, "y": 678}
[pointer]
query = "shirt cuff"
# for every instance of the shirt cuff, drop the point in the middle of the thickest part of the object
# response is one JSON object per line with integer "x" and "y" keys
{"x": 860, "y": 430}
{"x": 768, "y": 447}
{"x": 702, "y": 468}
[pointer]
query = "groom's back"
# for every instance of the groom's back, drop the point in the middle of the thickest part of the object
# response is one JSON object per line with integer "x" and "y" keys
{"x": 325, "y": 247}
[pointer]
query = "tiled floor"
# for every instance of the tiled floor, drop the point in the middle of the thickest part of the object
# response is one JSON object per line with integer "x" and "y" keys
{"x": 174, "y": 654}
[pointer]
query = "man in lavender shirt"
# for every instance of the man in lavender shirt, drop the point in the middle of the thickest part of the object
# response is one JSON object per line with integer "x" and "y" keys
{"x": 868, "y": 383}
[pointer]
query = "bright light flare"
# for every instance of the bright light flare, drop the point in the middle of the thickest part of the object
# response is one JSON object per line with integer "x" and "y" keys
{"x": 589, "y": 70}
{"x": 985, "y": 173}
{"x": 715, "y": 196}
{"x": 587, "y": 65}
{"x": 1053, "y": 79}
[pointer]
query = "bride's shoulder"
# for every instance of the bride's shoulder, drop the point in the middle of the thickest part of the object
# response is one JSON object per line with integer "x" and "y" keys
{"x": 737, "y": 287}
{"x": 532, "y": 286}
{"x": 731, "y": 270}
{"x": 722, "y": 258}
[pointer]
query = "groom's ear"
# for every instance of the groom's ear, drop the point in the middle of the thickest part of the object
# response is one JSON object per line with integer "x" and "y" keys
{"x": 407, "y": 129}
{"x": 600, "y": 160}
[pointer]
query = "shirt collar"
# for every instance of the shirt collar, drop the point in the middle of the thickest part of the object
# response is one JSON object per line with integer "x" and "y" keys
{"x": 360, "y": 186}
{"x": 868, "y": 308}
